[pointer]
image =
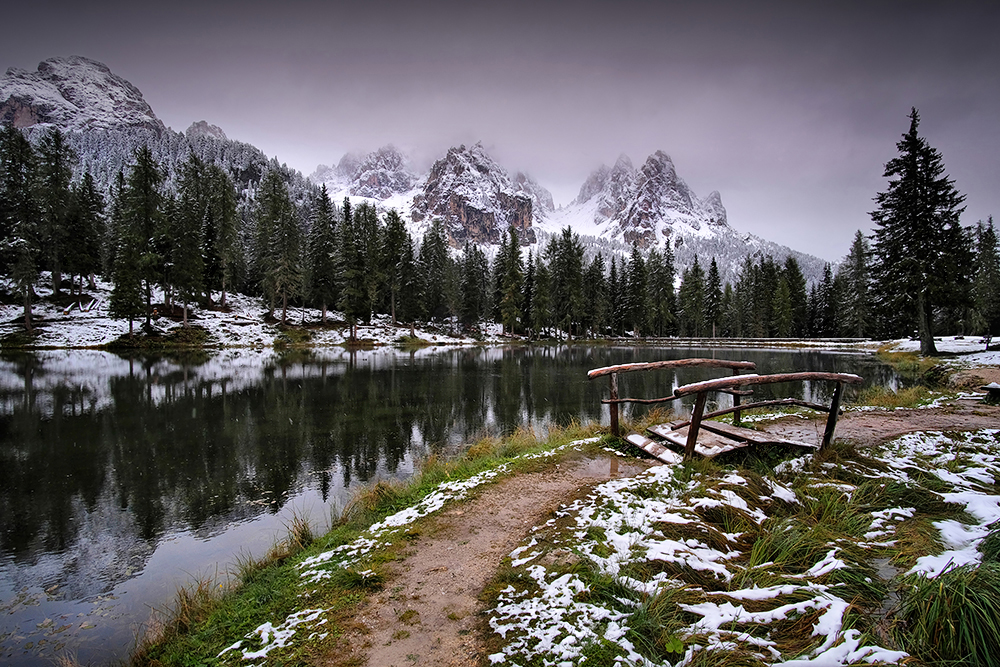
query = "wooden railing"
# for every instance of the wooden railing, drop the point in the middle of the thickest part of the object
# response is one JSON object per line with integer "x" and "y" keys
{"x": 702, "y": 389}
{"x": 614, "y": 401}
{"x": 730, "y": 385}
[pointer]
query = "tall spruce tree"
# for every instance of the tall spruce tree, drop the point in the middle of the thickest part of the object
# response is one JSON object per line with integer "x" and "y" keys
{"x": 986, "y": 287}
{"x": 798, "y": 296}
{"x": 856, "y": 269}
{"x": 86, "y": 228}
{"x": 922, "y": 254}
{"x": 221, "y": 233}
{"x": 434, "y": 268}
{"x": 636, "y": 284}
{"x": 55, "y": 171}
{"x": 143, "y": 216}
{"x": 662, "y": 301}
{"x": 186, "y": 242}
{"x": 322, "y": 253}
{"x": 393, "y": 250}
{"x": 276, "y": 217}
{"x": 512, "y": 283}
{"x": 126, "y": 300}
{"x": 595, "y": 293}
{"x": 713, "y": 299}
{"x": 19, "y": 211}
{"x": 691, "y": 301}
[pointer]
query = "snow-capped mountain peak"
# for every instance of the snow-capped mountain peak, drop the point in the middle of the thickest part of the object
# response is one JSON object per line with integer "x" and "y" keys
{"x": 73, "y": 93}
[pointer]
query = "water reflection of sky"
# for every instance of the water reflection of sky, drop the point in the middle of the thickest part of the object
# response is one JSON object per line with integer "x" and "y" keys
{"x": 121, "y": 479}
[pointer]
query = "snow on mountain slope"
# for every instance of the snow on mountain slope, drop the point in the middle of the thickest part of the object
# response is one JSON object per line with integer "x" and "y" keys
{"x": 467, "y": 190}
{"x": 73, "y": 93}
{"x": 652, "y": 206}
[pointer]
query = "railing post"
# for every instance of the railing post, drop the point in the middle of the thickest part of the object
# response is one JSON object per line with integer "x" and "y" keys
{"x": 736, "y": 400}
{"x": 831, "y": 421}
{"x": 613, "y": 407}
{"x": 699, "y": 410}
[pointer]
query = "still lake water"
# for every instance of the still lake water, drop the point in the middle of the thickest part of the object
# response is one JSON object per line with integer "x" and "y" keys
{"x": 122, "y": 479}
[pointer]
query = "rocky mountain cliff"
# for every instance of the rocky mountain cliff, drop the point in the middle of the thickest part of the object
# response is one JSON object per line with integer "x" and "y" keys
{"x": 646, "y": 206}
{"x": 73, "y": 93}
{"x": 477, "y": 200}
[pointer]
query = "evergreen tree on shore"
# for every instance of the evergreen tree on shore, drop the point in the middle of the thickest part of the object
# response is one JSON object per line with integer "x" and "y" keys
{"x": 922, "y": 255}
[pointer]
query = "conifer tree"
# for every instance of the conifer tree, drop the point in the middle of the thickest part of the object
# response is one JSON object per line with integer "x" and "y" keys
{"x": 276, "y": 216}
{"x": 856, "y": 270}
{"x": 86, "y": 228}
{"x": 616, "y": 299}
{"x": 350, "y": 271}
{"x": 986, "y": 287}
{"x": 797, "y": 295}
{"x": 392, "y": 253}
{"x": 433, "y": 268}
{"x": 368, "y": 236}
{"x": 662, "y": 301}
{"x": 635, "y": 292}
{"x": 922, "y": 254}
{"x": 595, "y": 292}
{"x": 221, "y": 233}
{"x": 19, "y": 211}
{"x": 713, "y": 299}
{"x": 529, "y": 294}
{"x": 126, "y": 300}
{"x": 55, "y": 171}
{"x": 541, "y": 304}
{"x": 143, "y": 216}
{"x": 185, "y": 243}
{"x": 322, "y": 253}
{"x": 565, "y": 257}
{"x": 512, "y": 283}
{"x": 691, "y": 301}
{"x": 410, "y": 287}
{"x": 474, "y": 287}
{"x": 781, "y": 309}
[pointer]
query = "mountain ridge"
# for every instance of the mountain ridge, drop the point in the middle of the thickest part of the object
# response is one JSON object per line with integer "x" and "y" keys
{"x": 475, "y": 198}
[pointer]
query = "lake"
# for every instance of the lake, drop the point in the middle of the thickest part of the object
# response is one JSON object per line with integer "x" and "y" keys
{"x": 122, "y": 479}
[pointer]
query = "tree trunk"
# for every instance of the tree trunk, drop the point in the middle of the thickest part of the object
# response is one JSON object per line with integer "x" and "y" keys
{"x": 92, "y": 282}
{"x": 324, "y": 312}
{"x": 284, "y": 307}
{"x": 927, "y": 347}
{"x": 27, "y": 310}
{"x": 185, "y": 323}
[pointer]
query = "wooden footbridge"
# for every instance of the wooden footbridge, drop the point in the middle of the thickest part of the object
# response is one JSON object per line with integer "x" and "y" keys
{"x": 701, "y": 434}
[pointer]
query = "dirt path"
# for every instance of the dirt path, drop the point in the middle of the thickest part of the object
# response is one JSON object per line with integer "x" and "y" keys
{"x": 869, "y": 428}
{"x": 427, "y": 613}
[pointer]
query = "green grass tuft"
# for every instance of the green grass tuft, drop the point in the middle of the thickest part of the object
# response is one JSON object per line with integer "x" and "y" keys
{"x": 953, "y": 619}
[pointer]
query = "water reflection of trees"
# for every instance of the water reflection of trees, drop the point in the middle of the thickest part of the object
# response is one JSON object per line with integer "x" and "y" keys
{"x": 174, "y": 447}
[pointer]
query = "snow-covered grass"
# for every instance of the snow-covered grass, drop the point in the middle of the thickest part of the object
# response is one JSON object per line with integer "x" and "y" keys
{"x": 242, "y": 324}
{"x": 971, "y": 348}
{"x": 679, "y": 563}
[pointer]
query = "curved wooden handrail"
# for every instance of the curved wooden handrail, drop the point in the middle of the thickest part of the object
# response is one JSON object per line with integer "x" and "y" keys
{"x": 742, "y": 380}
{"x": 677, "y": 363}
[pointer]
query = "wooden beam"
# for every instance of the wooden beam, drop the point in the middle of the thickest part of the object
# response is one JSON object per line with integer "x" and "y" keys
{"x": 743, "y": 380}
{"x": 699, "y": 410}
{"x": 751, "y": 406}
{"x": 677, "y": 363}
{"x": 614, "y": 406}
{"x": 831, "y": 421}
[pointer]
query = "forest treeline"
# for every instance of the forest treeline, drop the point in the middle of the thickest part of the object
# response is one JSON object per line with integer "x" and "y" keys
{"x": 186, "y": 235}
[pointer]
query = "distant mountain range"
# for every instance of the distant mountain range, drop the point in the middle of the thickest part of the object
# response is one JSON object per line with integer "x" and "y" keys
{"x": 106, "y": 118}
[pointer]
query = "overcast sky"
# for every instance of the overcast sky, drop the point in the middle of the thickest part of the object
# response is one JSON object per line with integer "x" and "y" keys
{"x": 789, "y": 110}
